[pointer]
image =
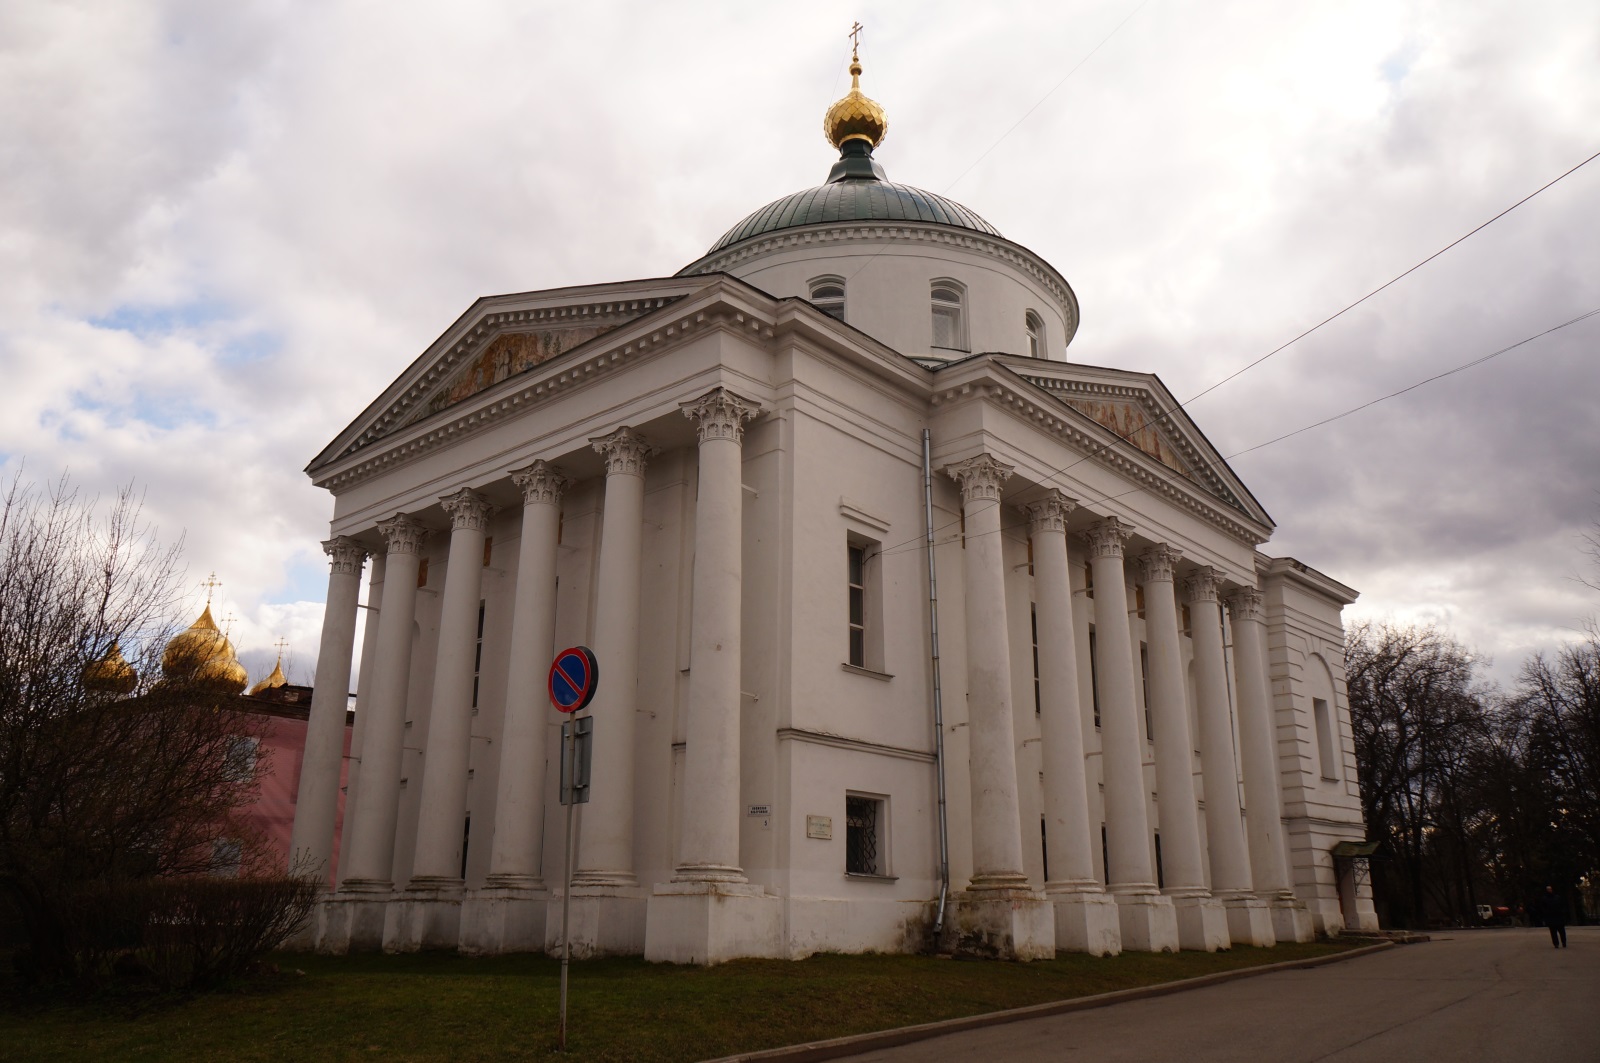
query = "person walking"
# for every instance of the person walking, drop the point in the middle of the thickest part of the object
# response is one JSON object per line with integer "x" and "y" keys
{"x": 1553, "y": 908}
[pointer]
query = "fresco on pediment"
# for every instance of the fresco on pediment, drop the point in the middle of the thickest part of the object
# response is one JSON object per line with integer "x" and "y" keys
{"x": 1132, "y": 422}
{"x": 507, "y": 355}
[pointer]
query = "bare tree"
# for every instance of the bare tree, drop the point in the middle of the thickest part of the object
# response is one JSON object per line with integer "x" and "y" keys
{"x": 113, "y": 781}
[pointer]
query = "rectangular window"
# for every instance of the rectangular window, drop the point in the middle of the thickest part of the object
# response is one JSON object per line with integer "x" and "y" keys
{"x": 1094, "y": 676}
{"x": 488, "y": 550}
{"x": 1105, "y": 856}
{"x": 1326, "y": 748}
{"x": 1161, "y": 880}
{"x": 858, "y": 606}
{"x": 1033, "y": 619}
{"x": 422, "y": 573}
{"x": 240, "y": 765}
{"x": 1144, "y": 688}
{"x": 477, "y": 658}
{"x": 863, "y": 830}
{"x": 946, "y": 326}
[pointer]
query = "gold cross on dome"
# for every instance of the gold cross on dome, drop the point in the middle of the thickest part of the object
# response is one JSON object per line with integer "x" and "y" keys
{"x": 282, "y": 645}
{"x": 211, "y": 584}
{"x": 855, "y": 38}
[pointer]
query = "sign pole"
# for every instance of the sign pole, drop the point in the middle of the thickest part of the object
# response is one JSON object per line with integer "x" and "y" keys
{"x": 570, "y": 752}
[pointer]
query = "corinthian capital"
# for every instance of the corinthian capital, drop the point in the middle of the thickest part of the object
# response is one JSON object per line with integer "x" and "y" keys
{"x": 402, "y": 535}
{"x": 1201, "y": 585}
{"x": 980, "y": 478}
{"x": 625, "y": 451}
{"x": 1049, "y": 514}
{"x": 1244, "y": 604}
{"x": 1107, "y": 537}
{"x": 541, "y": 483}
{"x": 346, "y": 556}
{"x": 1157, "y": 563}
{"x": 468, "y": 510}
{"x": 721, "y": 415}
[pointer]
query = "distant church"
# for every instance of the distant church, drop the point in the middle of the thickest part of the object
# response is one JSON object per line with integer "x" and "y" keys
{"x": 1117, "y": 726}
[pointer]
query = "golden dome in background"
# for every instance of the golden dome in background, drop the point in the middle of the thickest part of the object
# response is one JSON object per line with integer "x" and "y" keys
{"x": 273, "y": 681}
{"x": 194, "y": 646}
{"x": 111, "y": 673}
{"x": 855, "y": 117}
{"x": 225, "y": 675}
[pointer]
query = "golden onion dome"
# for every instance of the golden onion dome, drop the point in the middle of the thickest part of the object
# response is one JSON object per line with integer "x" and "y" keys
{"x": 194, "y": 646}
{"x": 855, "y": 116}
{"x": 225, "y": 675}
{"x": 111, "y": 674}
{"x": 273, "y": 681}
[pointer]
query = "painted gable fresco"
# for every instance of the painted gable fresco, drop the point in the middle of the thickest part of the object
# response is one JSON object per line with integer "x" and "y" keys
{"x": 1132, "y": 422}
{"x": 507, "y": 355}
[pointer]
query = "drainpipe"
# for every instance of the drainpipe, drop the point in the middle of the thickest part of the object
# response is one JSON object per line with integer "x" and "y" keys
{"x": 938, "y": 696}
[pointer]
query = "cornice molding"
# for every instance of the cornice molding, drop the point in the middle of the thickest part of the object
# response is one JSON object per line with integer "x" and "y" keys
{"x": 1000, "y": 248}
{"x": 1064, "y": 428}
{"x": 541, "y": 385}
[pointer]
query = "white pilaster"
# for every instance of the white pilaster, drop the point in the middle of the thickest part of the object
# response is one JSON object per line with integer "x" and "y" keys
{"x": 1202, "y": 925}
{"x": 317, "y": 803}
{"x": 430, "y": 914}
{"x": 508, "y": 915}
{"x": 1148, "y": 920}
{"x": 354, "y": 919}
{"x": 1086, "y": 919}
{"x": 1258, "y": 743}
{"x": 999, "y": 913}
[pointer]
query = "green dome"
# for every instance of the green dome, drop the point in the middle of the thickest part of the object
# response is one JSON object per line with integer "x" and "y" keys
{"x": 857, "y": 190}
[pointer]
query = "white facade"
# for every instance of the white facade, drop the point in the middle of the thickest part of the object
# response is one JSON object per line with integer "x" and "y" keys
{"x": 697, "y": 477}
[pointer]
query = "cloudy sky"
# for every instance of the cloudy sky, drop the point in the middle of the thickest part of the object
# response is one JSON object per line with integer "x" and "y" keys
{"x": 224, "y": 228}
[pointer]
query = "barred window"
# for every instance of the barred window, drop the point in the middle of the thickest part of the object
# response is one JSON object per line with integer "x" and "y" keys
{"x": 861, "y": 818}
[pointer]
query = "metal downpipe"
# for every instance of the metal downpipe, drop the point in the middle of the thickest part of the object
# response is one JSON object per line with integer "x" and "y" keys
{"x": 938, "y": 694}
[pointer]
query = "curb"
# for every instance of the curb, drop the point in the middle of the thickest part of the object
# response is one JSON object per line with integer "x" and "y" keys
{"x": 839, "y": 1047}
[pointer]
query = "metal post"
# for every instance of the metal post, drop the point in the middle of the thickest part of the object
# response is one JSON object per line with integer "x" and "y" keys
{"x": 569, "y": 743}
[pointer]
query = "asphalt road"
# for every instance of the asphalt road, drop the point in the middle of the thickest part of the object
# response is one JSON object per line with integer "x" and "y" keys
{"x": 1474, "y": 996}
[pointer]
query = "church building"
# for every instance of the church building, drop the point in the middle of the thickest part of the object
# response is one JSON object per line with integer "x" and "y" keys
{"x": 911, "y": 631}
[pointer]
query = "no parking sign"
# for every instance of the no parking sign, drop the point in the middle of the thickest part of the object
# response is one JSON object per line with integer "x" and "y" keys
{"x": 573, "y": 678}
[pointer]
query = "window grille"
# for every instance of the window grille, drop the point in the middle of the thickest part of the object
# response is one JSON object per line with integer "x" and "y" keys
{"x": 861, "y": 835}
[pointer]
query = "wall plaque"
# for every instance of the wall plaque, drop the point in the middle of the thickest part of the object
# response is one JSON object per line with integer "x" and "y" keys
{"x": 820, "y": 827}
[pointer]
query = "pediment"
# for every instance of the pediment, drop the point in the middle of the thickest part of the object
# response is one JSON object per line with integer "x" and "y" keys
{"x": 1140, "y": 410}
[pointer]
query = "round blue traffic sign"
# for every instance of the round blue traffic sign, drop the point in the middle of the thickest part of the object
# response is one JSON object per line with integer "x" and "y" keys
{"x": 573, "y": 678}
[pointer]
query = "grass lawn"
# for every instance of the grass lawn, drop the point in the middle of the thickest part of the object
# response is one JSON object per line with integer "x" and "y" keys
{"x": 445, "y": 1007}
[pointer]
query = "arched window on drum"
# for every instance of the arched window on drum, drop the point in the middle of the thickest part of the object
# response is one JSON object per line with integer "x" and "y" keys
{"x": 827, "y": 295}
{"x": 1035, "y": 328}
{"x": 949, "y": 315}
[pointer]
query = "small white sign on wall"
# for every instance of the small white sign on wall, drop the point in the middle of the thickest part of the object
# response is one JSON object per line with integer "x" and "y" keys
{"x": 759, "y": 810}
{"x": 820, "y": 828}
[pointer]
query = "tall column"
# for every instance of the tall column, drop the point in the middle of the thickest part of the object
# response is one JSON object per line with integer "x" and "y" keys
{"x": 709, "y": 912}
{"x": 1148, "y": 920}
{"x": 1248, "y": 920}
{"x": 999, "y": 909}
{"x": 709, "y": 847}
{"x": 317, "y": 804}
{"x": 1086, "y": 919}
{"x": 369, "y": 654}
{"x": 443, "y": 810}
{"x": 514, "y": 859}
{"x": 606, "y": 857}
{"x": 371, "y": 831}
{"x": 1202, "y": 925}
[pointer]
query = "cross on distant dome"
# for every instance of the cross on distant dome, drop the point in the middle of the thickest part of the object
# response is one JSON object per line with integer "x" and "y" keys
{"x": 855, "y": 39}
{"x": 211, "y": 584}
{"x": 282, "y": 645}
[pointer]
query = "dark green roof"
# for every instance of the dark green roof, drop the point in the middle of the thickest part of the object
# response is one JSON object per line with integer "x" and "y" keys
{"x": 856, "y": 193}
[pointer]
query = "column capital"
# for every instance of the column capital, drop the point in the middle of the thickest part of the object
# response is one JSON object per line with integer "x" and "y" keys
{"x": 1108, "y": 537}
{"x": 721, "y": 414}
{"x": 403, "y": 534}
{"x": 625, "y": 451}
{"x": 541, "y": 483}
{"x": 1200, "y": 585}
{"x": 468, "y": 510}
{"x": 1244, "y": 604}
{"x": 347, "y": 556}
{"x": 1049, "y": 514}
{"x": 1156, "y": 564}
{"x": 980, "y": 477}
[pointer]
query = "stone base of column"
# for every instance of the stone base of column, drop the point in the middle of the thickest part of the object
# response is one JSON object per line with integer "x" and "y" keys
{"x": 1249, "y": 921}
{"x": 1202, "y": 922}
{"x": 711, "y": 922}
{"x": 1149, "y": 922}
{"x": 426, "y": 916}
{"x": 351, "y": 920}
{"x": 1086, "y": 922}
{"x": 1291, "y": 921}
{"x": 1001, "y": 924}
{"x": 500, "y": 919}
{"x": 605, "y": 921}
